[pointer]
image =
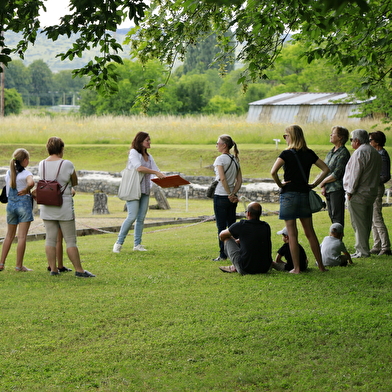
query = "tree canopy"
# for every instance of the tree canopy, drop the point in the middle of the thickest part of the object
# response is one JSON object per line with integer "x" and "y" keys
{"x": 351, "y": 34}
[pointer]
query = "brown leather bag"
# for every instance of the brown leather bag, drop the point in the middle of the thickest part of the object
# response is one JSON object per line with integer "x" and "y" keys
{"x": 49, "y": 192}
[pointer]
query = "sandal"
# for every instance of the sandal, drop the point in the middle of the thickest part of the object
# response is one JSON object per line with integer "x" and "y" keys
{"x": 22, "y": 269}
{"x": 1, "y": 267}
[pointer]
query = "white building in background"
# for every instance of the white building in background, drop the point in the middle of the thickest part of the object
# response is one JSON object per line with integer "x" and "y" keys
{"x": 304, "y": 108}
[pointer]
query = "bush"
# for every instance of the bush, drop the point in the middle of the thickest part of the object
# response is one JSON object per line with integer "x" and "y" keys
{"x": 13, "y": 102}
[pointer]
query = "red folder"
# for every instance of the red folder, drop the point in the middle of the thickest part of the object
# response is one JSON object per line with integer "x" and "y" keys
{"x": 170, "y": 181}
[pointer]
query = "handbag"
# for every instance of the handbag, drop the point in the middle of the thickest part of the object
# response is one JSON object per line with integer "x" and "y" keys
{"x": 3, "y": 196}
{"x": 211, "y": 188}
{"x": 49, "y": 192}
{"x": 315, "y": 201}
{"x": 129, "y": 188}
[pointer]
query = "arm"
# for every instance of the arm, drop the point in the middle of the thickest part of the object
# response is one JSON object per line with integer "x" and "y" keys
{"x": 146, "y": 170}
{"x": 224, "y": 235}
{"x": 274, "y": 172}
{"x": 278, "y": 258}
{"x": 339, "y": 168}
{"x": 385, "y": 175}
{"x": 30, "y": 185}
{"x": 74, "y": 179}
{"x": 223, "y": 180}
{"x": 348, "y": 257}
{"x": 238, "y": 183}
{"x": 135, "y": 160}
{"x": 325, "y": 170}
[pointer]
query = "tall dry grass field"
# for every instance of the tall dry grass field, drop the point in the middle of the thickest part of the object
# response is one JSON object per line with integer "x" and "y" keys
{"x": 170, "y": 130}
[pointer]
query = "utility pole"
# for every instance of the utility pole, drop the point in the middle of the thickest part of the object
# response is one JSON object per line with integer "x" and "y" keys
{"x": 2, "y": 80}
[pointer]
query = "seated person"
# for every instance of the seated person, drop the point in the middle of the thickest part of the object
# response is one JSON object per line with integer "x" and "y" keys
{"x": 284, "y": 252}
{"x": 248, "y": 243}
{"x": 332, "y": 248}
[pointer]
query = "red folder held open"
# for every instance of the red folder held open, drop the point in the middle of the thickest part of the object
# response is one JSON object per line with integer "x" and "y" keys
{"x": 173, "y": 181}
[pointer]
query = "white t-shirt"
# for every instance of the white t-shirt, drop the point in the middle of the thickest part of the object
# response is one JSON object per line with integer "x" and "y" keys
{"x": 331, "y": 249}
{"x": 231, "y": 173}
{"x": 21, "y": 180}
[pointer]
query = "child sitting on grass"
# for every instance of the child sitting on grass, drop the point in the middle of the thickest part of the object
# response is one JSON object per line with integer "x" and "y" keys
{"x": 332, "y": 248}
{"x": 284, "y": 251}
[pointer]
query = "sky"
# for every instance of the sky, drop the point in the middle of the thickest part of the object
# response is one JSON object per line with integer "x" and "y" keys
{"x": 56, "y": 9}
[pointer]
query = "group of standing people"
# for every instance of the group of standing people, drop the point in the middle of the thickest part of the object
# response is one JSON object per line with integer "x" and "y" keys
{"x": 357, "y": 180}
{"x": 57, "y": 219}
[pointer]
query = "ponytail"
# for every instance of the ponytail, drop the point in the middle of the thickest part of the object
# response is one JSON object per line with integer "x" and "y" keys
{"x": 16, "y": 167}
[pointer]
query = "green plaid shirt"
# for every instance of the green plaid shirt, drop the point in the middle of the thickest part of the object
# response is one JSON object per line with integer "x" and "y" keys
{"x": 337, "y": 161}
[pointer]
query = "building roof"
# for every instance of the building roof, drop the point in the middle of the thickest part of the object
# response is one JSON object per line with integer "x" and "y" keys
{"x": 306, "y": 99}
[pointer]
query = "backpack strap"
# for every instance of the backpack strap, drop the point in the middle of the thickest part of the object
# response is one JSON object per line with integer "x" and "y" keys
{"x": 58, "y": 171}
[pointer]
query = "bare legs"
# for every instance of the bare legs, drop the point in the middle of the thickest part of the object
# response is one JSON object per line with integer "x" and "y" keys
{"x": 292, "y": 231}
{"x": 21, "y": 247}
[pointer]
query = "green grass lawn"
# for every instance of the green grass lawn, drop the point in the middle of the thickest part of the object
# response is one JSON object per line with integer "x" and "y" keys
{"x": 170, "y": 320}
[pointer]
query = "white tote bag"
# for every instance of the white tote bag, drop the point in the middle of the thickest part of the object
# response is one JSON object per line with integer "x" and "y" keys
{"x": 130, "y": 185}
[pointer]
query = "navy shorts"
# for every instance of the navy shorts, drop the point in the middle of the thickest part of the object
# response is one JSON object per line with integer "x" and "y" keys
{"x": 294, "y": 205}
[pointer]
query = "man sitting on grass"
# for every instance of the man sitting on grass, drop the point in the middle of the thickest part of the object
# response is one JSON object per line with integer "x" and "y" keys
{"x": 248, "y": 243}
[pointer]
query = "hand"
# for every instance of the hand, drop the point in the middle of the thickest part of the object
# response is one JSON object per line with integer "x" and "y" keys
{"x": 23, "y": 192}
{"x": 233, "y": 198}
{"x": 323, "y": 192}
{"x": 160, "y": 175}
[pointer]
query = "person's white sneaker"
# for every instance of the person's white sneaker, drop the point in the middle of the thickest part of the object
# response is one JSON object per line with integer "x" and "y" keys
{"x": 117, "y": 248}
{"x": 140, "y": 247}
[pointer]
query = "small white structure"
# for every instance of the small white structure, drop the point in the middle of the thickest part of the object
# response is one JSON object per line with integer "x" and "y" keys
{"x": 304, "y": 108}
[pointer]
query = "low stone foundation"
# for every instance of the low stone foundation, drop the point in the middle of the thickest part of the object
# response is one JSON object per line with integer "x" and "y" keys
{"x": 264, "y": 191}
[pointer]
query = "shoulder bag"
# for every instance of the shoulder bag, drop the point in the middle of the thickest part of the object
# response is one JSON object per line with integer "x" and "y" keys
{"x": 315, "y": 201}
{"x": 3, "y": 196}
{"x": 129, "y": 188}
{"x": 49, "y": 192}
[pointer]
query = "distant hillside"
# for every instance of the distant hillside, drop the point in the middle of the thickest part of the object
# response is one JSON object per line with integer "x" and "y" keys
{"x": 47, "y": 50}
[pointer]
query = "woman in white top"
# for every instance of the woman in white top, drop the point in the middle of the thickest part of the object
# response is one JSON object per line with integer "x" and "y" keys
{"x": 140, "y": 160}
{"x": 19, "y": 182}
{"x": 60, "y": 217}
{"x": 228, "y": 173}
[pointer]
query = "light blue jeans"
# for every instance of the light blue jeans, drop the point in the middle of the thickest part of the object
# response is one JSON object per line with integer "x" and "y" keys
{"x": 137, "y": 210}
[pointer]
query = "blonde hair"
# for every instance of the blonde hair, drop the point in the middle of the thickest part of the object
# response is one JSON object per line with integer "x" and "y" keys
{"x": 297, "y": 138}
{"x": 230, "y": 143}
{"x": 16, "y": 167}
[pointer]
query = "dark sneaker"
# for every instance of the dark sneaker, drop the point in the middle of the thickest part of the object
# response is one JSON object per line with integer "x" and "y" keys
{"x": 65, "y": 269}
{"x": 54, "y": 273}
{"x": 84, "y": 274}
{"x": 385, "y": 252}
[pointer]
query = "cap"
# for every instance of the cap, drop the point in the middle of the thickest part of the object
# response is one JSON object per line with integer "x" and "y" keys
{"x": 283, "y": 231}
{"x": 336, "y": 228}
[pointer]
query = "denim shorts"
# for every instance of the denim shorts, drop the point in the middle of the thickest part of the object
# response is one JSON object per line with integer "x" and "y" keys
{"x": 19, "y": 209}
{"x": 294, "y": 205}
